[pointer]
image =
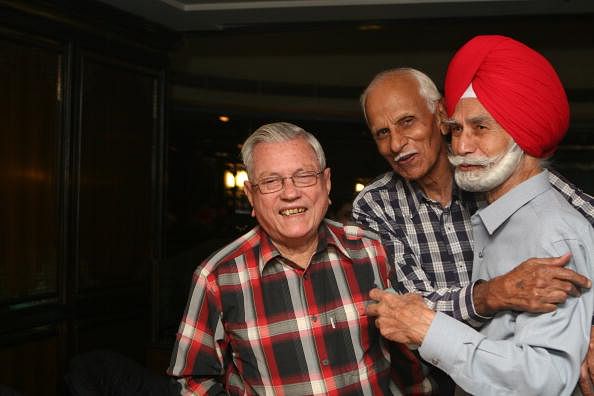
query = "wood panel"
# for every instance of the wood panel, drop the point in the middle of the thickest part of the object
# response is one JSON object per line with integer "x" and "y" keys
{"x": 118, "y": 131}
{"x": 30, "y": 109}
{"x": 31, "y": 366}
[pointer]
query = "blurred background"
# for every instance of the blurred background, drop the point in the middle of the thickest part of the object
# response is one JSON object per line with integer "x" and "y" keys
{"x": 122, "y": 125}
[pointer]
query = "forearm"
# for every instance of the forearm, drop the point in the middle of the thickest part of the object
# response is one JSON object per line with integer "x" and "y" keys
{"x": 456, "y": 302}
{"x": 198, "y": 356}
{"x": 487, "y": 366}
{"x": 449, "y": 292}
{"x": 201, "y": 374}
{"x": 209, "y": 387}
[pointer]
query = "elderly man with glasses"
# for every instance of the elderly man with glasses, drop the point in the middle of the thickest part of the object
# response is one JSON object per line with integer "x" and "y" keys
{"x": 281, "y": 310}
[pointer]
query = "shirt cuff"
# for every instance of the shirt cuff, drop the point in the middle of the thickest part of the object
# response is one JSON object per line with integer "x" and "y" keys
{"x": 474, "y": 315}
{"x": 445, "y": 341}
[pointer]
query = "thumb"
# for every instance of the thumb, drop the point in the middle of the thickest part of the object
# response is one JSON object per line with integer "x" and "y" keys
{"x": 376, "y": 294}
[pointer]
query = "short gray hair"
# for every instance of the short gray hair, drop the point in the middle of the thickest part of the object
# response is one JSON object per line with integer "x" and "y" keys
{"x": 427, "y": 88}
{"x": 279, "y": 132}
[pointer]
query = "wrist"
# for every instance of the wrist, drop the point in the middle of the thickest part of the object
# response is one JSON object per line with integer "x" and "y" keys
{"x": 423, "y": 324}
{"x": 486, "y": 301}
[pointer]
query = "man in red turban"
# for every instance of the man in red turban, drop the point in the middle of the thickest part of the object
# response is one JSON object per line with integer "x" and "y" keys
{"x": 517, "y": 86}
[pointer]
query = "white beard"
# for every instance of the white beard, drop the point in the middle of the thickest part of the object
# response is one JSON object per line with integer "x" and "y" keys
{"x": 495, "y": 172}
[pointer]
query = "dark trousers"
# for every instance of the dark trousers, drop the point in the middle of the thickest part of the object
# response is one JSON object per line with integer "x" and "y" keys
{"x": 107, "y": 373}
{"x": 446, "y": 386}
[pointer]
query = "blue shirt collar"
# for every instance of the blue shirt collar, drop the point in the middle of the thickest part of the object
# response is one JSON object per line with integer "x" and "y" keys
{"x": 495, "y": 214}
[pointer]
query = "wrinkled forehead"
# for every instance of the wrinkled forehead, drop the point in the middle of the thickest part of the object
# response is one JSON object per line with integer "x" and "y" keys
{"x": 393, "y": 99}
{"x": 283, "y": 158}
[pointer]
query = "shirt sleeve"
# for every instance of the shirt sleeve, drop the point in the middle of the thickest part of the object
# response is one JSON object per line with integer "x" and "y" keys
{"x": 541, "y": 356}
{"x": 197, "y": 358}
{"x": 407, "y": 272}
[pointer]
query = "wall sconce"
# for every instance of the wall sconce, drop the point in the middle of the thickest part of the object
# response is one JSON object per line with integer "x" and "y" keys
{"x": 234, "y": 179}
{"x": 229, "y": 178}
{"x": 240, "y": 178}
{"x": 235, "y": 176}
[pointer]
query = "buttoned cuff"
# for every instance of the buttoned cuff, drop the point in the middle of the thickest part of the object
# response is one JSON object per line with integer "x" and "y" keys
{"x": 444, "y": 343}
{"x": 476, "y": 319}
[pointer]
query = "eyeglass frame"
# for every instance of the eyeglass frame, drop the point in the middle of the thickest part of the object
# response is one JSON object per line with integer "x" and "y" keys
{"x": 282, "y": 180}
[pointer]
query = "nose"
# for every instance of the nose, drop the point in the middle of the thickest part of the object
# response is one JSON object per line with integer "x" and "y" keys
{"x": 463, "y": 143}
{"x": 397, "y": 142}
{"x": 289, "y": 190}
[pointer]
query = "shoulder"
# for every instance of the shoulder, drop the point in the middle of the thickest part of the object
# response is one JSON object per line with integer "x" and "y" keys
{"x": 361, "y": 247}
{"x": 227, "y": 255}
{"x": 384, "y": 191}
{"x": 556, "y": 218}
{"x": 388, "y": 181}
{"x": 580, "y": 200}
{"x": 351, "y": 232}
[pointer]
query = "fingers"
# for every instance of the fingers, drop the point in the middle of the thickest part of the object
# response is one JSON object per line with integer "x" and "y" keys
{"x": 547, "y": 270}
{"x": 585, "y": 381}
{"x": 372, "y": 310}
{"x": 377, "y": 294}
{"x": 556, "y": 292}
{"x": 560, "y": 261}
{"x": 546, "y": 274}
{"x": 573, "y": 277}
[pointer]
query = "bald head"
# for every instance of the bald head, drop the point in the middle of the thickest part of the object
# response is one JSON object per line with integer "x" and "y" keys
{"x": 426, "y": 88}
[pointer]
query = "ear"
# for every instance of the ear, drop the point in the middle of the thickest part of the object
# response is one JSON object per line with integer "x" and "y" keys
{"x": 440, "y": 116}
{"x": 326, "y": 179}
{"x": 249, "y": 191}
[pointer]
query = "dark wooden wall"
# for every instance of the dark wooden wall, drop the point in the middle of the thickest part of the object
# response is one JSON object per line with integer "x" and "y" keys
{"x": 81, "y": 179}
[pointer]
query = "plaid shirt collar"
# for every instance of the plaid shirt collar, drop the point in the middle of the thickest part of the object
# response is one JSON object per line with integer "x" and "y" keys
{"x": 419, "y": 198}
{"x": 326, "y": 236}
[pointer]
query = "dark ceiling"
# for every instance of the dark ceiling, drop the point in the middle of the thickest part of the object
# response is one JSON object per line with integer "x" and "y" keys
{"x": 203, "y": 15}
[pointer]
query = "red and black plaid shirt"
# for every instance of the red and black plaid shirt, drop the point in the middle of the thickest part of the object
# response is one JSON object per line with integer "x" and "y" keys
{"x": 256, "y": 323}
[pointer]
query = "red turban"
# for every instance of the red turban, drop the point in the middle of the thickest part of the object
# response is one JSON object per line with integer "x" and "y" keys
{"x": 517, "y": 86}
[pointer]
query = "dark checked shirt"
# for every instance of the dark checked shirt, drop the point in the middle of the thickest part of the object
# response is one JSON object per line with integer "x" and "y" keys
{"x": 256, "y": 323}
{"x": 431, "y": 245}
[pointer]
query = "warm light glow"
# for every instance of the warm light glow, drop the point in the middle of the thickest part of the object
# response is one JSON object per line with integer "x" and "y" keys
{"x": 224, "y": 118}
{"x": 229, "y": 179}
{"x": 369, "y": 27}
{"x": 240, "y": 178}
{"x": 359, "y": 187}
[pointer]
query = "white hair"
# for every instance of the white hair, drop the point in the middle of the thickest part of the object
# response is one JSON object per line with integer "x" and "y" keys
{"x": 427, "y": 88}
{"x": 279, "y": 132}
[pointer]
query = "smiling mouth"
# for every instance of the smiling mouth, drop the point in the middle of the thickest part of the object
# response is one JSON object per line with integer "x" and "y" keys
{"x": 403, "y": 157}
{"x": 468, "y": 167}
{"x": 291, "y": 212}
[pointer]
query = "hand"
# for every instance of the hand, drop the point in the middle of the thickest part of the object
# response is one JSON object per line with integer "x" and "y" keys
{"x": 401, "y": 318}
{"x": 536, "y": 285}
{"x": 587, "y": 370}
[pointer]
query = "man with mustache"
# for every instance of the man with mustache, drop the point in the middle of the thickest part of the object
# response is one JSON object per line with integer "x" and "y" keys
{"x": 423, "y": 218}
{"x": 508, "y": 112}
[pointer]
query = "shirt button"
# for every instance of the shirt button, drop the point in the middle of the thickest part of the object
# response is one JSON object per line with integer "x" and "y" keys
{"x": 325, "y": 362}
{"x": 481, "y": 254}
{"x": 314, "y": 318}
{"x": 305, "y": 276}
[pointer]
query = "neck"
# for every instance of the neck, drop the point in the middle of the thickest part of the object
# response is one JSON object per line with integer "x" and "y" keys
{"x": 528, "y": 167}
{"x": 300, "y": 254}
{"x": 437, "y": 184}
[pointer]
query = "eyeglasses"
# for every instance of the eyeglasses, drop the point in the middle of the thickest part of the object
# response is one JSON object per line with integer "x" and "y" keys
{"x": 274, "y": 184}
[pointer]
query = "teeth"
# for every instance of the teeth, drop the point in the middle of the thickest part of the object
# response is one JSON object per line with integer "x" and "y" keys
{"x": 402, "y": 156}
{"x": 289, "y": 212}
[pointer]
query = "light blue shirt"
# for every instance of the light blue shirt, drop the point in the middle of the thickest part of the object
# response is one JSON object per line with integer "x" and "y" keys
{"x": 519, "y": 353}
